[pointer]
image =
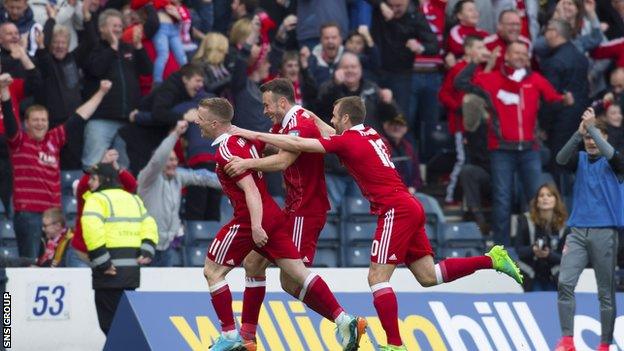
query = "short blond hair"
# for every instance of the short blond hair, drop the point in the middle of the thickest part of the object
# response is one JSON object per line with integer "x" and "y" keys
{"x": 212, "y": 50}
{"x": 219, "y": 107}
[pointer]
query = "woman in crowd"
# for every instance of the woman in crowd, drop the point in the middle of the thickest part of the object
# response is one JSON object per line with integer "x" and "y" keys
{"x": 540, "y": 237}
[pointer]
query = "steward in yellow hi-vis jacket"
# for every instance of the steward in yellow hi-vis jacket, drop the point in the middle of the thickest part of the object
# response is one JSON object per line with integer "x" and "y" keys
{"x": 120, "y": 236}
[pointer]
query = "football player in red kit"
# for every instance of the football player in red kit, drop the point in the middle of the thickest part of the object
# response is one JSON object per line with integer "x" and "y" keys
{"x": 306, "y": 202}
{"x": 400, "y": 236}
{"x": 257, "y": 225}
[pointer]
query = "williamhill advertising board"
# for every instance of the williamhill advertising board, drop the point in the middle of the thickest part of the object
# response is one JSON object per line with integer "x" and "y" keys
{"x": 428, "y": 321}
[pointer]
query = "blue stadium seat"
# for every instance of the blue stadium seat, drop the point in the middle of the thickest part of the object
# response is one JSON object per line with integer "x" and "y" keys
{"x": 67, "y": 180}
{"x": 280, "y": 201}
{"x": 331, "y": 231}
{"x": 432, "y": 234}
{"x": 358, "y": 208}
{"x": 177, "y": 259}
{"x": 432, "y": 207}
{"x": 327, "y": 256}
{"x": 196, "y": 256}
{"x": 461, "y": 234}
{"x": 9, "y": 251}
{"x": 3, "y": 211}
{"x": 358, "y": 256}
{"x": 451, "y": 252}
{"x": 227, "y": 211}
{"x": 358, "y": 231}
{"x": 334, "y": 211}
{"x": 200, "y": 231}
{"x": 69, "y": 203}
{"x": 7, "y": 232}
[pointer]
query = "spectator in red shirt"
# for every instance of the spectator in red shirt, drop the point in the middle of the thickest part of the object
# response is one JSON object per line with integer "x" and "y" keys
{"x": 613, "y": 50}
{"x": 83, "y": 191}
{"x": 34, "y": 156}
{"x": 507, "y": 31}
{"x": 467, "y": 17}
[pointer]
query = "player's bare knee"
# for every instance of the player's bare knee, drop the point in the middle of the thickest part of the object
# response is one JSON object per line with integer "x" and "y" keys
{"x": 377, "y": 274}
{"x": 288, "y": 285}
{"x": 254, "y": 265}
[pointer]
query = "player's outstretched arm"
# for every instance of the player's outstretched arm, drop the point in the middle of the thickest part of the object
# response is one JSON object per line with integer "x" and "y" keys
{"x": 254, "y": 204}
{"x": 284, "y": 142}
{"x": 277, "y": 162}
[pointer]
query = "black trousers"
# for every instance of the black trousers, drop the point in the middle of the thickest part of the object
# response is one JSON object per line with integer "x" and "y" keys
{"x": 106, "y": 301}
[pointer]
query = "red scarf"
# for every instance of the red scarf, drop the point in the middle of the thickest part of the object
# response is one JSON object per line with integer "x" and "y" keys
{"x": 50, "y": 250}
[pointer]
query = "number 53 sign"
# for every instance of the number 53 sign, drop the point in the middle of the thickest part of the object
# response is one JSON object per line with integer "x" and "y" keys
{"x": 48, "y": 301}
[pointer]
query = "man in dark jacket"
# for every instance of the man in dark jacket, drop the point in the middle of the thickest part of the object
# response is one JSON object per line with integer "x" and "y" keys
{"x": 157, "y": 114}
{"x": 401, "y": 32}
{"x": 122, "y": 64}
{"x": 566, "y": 69}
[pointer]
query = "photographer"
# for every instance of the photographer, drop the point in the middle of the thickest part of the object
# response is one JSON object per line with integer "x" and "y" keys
{"x": 539, "y": 239}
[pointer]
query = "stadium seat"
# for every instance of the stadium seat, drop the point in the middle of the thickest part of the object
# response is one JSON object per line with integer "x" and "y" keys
{"x": 451, "y": 252}
{"x": 227, "y": 211}
{"x": 280, "y": 201}
{"x": 357, "y": 209}
{"x": 69, "y": 203}
{"x": 177, "y": 259}
{"x": 431, "y": 233}
{"x": 67, "y": 180}
{"x": 196, "y": 256}
{"x": 331, "y": 231}
{"x": 7, "y": 232}
{"x": 326, "y": 256}
{"x": 3, "y": 211}
{"x": 432, "y": 207}
{"x": 200, "y": 231}
{"x": 461, "y": 234}
{"x": 359, "y": 231}
{"x": 358, "y": 256}
{"x": 9, "y": 251}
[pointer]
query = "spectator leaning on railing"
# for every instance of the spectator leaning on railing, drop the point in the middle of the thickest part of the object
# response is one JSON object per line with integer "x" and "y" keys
{"x": 35, "y": 161}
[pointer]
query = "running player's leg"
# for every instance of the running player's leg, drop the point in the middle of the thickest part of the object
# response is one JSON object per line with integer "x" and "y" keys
{"x": 230, "y": 246}
{"x": 255, "y": 288}
{"x": 385, "y": 301}
{"x": 316, "y": 295}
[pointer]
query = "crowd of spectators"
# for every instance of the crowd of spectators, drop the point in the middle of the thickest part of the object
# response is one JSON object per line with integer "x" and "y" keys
{"x": 499, "y": 85}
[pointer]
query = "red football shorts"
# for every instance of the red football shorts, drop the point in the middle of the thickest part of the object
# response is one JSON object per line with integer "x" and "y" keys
{"x": 234, "y": 241}
{"x": 305, "y": 231}
{"x": 400, "y": 236}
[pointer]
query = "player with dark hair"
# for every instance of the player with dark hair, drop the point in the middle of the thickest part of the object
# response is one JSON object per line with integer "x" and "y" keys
{"x": 254, "y": 212}
{"x": 306, "y": 194}
{"x": 400, "y": 236}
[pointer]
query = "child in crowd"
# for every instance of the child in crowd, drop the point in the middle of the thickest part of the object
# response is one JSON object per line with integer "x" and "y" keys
{"x": 57, "y": 237}
{"x": 361, "y": 43}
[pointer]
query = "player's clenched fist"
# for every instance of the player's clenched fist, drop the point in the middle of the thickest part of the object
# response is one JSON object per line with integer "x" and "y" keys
{"x": 259, "y": 236}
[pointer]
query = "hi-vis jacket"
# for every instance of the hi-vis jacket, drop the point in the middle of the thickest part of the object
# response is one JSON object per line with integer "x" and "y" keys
{"x": 117, "y": 230}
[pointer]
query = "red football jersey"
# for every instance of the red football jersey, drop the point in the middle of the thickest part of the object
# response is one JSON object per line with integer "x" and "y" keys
{"x": 363, "y": 152}
{"x": 230, "y": 146}
{"x": 306, "y": 192}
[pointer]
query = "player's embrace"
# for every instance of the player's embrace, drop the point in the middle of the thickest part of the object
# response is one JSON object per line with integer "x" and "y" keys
{"x": 258, "y": 224}
{"x": 400, "y": 236}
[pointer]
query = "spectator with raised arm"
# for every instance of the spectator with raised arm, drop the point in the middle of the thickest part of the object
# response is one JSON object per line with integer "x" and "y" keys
{"x": 35, "y": 159}
{"x": 122, "y": 64}
{"x": 402, "y": 33}
{"x": 160, "y": 186}
{"x": 514, "y": 91}
{"x": 19, "y": 13}
{"x": 325, "y": 56}
{"x": 508, "y": 30}
{"x": 595, "y": 221}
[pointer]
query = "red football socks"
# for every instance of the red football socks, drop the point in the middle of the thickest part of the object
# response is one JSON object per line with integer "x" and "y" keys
{"x": 385, "y": 302}
{"x": 455, "y": 268}
{"x": 316, "y": 295}
{"x": 222, "y": 303}
{"x": 255, "y": 288}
